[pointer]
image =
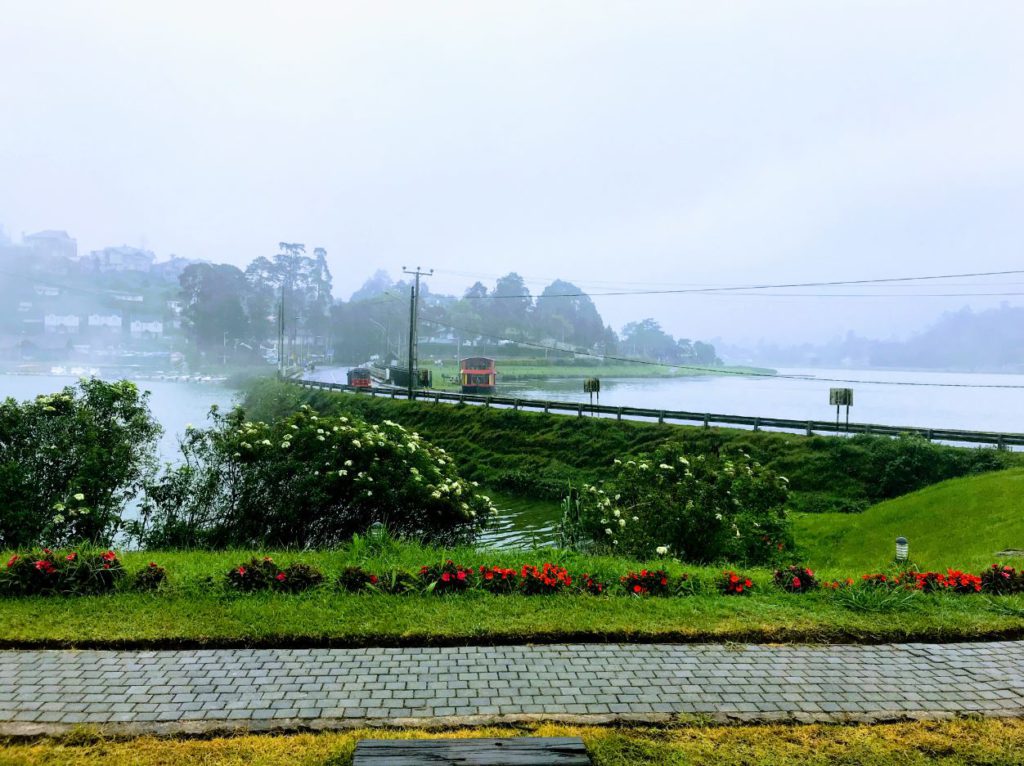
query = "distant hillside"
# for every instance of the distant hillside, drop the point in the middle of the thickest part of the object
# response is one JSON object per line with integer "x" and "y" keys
{"x": 991, "y": 340}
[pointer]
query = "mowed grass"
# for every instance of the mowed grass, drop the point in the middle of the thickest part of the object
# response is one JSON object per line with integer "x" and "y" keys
{"x": 949, "y": 743}
{"x": 196, "y": 608}
{"x": 959, "y": 523}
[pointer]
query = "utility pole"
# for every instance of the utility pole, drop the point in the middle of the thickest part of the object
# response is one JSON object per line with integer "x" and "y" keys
{"x": 280, "y": 335}
{"x": 414, "y": 310}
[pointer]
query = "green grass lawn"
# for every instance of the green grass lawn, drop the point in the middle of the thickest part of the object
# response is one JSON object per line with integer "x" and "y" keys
{"x": 196, "y": 608}
{"x": 956, "y": 523}
{"x": 949, "y": 743}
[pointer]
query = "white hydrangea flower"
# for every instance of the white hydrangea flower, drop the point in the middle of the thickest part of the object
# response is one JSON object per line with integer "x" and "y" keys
{"x": 661, "y": 550}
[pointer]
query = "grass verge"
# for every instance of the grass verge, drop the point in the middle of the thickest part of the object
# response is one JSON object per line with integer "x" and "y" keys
{"x": 195, "y": 609}
{"x": 949, "y": 743}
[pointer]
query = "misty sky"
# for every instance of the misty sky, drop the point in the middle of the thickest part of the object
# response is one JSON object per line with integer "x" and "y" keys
{"x": 613, "y": 144}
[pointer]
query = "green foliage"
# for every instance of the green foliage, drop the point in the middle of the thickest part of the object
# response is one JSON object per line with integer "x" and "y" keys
{"x": 65, "y": 573}
{"x": 307, "y": 481}
{"x": 69, "y": 462}
{"x": 537, "y": 455}
{"x": 701, "y": 508}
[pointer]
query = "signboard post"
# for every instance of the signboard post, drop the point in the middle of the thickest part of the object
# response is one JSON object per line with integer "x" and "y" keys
{"x": 840, "y": 397}
{"x": 592, "y": 386}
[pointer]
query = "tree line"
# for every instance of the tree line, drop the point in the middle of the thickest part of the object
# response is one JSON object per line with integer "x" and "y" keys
{"x": 236, "y": 313}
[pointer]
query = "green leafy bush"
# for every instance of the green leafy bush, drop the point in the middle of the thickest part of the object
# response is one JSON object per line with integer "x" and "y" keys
{"x": 307, "y": 481}
{"x": 298, "y": 577}
{"x": 149, "y": 579}
{"x": 69, "y": 462}
{"x": 705, "y": 508}
{"x": 257, "y": 574}
{"x": 69, "y": 573}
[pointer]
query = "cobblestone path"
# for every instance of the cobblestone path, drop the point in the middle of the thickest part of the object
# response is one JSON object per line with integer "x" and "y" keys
{"x": 47, "y": 691}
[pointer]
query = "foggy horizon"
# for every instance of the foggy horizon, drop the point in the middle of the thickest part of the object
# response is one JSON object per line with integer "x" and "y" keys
{"x": 686, "y": 145}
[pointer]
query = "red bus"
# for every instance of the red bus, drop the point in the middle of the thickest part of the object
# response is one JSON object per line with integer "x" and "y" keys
{"x": 478, "y": 375}
{"x": 359, "y": 377}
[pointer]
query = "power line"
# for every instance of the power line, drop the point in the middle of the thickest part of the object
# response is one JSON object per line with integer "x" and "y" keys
{"x": 740, "y": 288}
{"x": 721, "y": 370}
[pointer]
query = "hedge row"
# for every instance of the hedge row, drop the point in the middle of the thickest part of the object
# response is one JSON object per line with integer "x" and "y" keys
{"x": 74, "y": 573}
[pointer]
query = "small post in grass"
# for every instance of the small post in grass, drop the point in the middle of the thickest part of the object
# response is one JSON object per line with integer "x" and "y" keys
{"x": 902, "y": 550}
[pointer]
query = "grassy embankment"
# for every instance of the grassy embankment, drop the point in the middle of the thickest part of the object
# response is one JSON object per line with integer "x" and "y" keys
{"x": 947, "y": 743}
{"x": 961, "y": 522}
{"x": 539, "y": 456}
{"x": 195, "y": 608}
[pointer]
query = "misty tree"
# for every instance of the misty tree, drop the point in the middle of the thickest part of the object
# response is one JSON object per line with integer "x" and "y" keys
{"x": 214, "y": 311}
{"x": 564, "y": 313}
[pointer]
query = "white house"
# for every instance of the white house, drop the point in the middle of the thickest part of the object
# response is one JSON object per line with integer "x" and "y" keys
{"x": 61, "y": 323}
{"x": 104, "y": 321}
{"x": 147, "y": 329}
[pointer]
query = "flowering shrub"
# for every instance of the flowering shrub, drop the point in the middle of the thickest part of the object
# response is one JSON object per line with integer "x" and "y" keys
{"x": 70, "y": 461}
{"x": 394, "y": 581}
{"x": 295, "y": 578}
{"x": 589, "y": 585}
{"x": 544, "y": 581}
{"x": 1002, "y": 579}
{"x": 308, "y": 481}
{"x": 258, "y": 574}
{"x": 498, "y": 579}
{"x": 66, "y": 572}
{"x": 354, "y": 579}
{"x": 447, "y": 578}
{"x": 703, "y": 508}
{"x": 645, "y": 583}
{"x": 150, "y": 578}
{"x": 733, "y": 584}
{"x": 953, "y": 580}
{"x": 794, "y": 579}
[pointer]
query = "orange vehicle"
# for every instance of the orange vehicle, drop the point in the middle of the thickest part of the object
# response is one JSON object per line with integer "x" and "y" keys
{"x": 359, "y": 377}
{"x": 477, "y": 375}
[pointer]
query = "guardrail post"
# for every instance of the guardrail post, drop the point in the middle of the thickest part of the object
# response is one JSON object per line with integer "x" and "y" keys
{"x": 579, "y": 411}
{"x": 929, "y": 434}
{"x": 810, "y": 431}
{"x": 462, "y": 398}
{"x": 437, "y": 399}
{"x": 618, "y": 414}
{"x": 661, "y": 416}
{"x": 757, "y": 424}
{"x": 545, "y": 408}
{"x": 1000, "y": 444}
{"x": 707, "y": 419}
{"x": 487, "y": 402}
{"x": 515, "y": 405}
{"x": 393, "y": 392}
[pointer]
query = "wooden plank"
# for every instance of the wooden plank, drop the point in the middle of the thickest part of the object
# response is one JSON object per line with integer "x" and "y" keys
{"x": 513, "y": 751}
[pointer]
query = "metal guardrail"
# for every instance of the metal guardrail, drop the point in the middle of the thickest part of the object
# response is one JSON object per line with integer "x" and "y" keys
{"x": 707, "y": 419}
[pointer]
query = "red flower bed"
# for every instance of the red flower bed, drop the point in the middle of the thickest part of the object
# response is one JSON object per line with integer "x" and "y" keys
{"x": 498, "y": 579}
{"x": 837, "y": 585}
{"x": 880, "y": 580}
{"x": 795, "y": 579}
{"x": 447, "y": 578}
{"x": 546, "y": 580}
{"x": 933, "y": 582}
{"x": 646, "y": 583}
{"x": 52, "y": 573}
{"x": 589, "y": 585}
{"x": 1002, "y": 579}
{"x": 733, "y": 584}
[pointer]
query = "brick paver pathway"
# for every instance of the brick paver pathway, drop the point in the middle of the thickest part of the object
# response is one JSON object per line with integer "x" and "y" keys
{"x": 294, "y": 688}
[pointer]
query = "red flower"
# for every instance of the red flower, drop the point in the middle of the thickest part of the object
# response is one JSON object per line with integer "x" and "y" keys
{"x": 739, "y": 588}
{"x": 664, "y": 581}
{"x": 241, "y": 571}
{"x": 106, "y": 566}
{"x": 637, "y": 589}
{"x": 748, "y": 583}
{"x": 152, "y": 564}
{"x": 47, "y": 551}
{"x": 281, "y": 577}
{"x": 109, "y": 556}
{"x": 796, "y": 582}
{"x": 445, "y": 577}
{"x": 461, "y": 575}
{"x": 734, "y": 578}
{"x": 373, "y": 579}
{"x": 11, "y": 560}
{"x": 489, "y": 576}
{"x": 70, "y": 556}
